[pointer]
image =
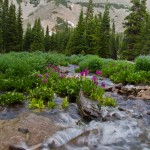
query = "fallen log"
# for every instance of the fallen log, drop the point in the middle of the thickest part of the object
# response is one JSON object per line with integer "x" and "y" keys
{"x": 88, "y": 108}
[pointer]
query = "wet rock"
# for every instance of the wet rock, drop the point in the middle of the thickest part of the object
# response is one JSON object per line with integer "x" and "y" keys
{"x": 108, "y": 88}
{"x": 148, "y": 113}
{"x": 131, "y": 97}
{"x": 119, "y": 86}
{"x": 122, "y": 92}
{"x": 64, "y": 70}
{"x": 13, "y": 147}
{"x": 121, "y": 109}
{"x": 144, "y": 94}
{"x": 23, "y": 130}
{"x": 115, "y": 90}
{"x": 52, "y": 145}
{"x": 40, "y": 129}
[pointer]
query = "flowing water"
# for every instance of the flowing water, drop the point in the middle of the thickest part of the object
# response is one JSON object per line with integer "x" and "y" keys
{"x": 126, "y": 127}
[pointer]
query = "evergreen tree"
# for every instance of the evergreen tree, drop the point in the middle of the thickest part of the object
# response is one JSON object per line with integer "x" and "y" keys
{"x": 1, "y": 35}
{"x": 144, "y": 47}
{"x": 89, "y": 12}
{"x": 70, "y": 44}
{"x": 20, "y": 28}
{"x": 5, "y": 23}
{"x": 104, "y": 35}
{"x": 27, "y": 38}
{"x": 113, "y": 44}
{"x": 38, "y": 36}
{"x": 11, "y": 42}
{"x": 133, "y": 25}
{"x": 79, "y": 38}
{"x": 47, "y": 40}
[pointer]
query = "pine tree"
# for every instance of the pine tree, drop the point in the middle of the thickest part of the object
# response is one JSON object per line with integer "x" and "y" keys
{"x": 5, "y": 23}
{"x": 38, "y": 36}
{"x": 47, "y": 40}
{"x": 144, "y": 48}
{"x": 1, "y": 34}
{"x": 11, "y": 42}
{"x": 89, "y": 12}
{"x": 27, "y": 38}
{"x": 113, "y": 44}
{"x": 20, "y": 28}
{"x": 104, "y": 35}
{"x": 133, "y": 25}
{"x": 79, "y": 39}
{"x": 70, "y": 44}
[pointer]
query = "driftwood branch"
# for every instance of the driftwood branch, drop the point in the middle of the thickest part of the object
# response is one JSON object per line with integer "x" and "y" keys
{"x": 88, "y": 109}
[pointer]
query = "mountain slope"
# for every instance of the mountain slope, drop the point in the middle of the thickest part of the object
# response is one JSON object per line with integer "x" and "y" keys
{"x": 48, "y": 11}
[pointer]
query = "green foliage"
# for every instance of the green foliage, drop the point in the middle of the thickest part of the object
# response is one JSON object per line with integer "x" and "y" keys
{"x": 65, "y": 103}
{"x": 142, "y": 63}
{"x": 37, "y": 37}
{"x": 104, "y": 34}
{"x": 111, "y": 67}
{"x": 34, "y": 103}
{"x": 138, "y": 77}
{"x": 133, "y": 24}
{"x": 42, "y": 92}
{"x": 108, "y": 101}
{"x": 92, "y": 63}
{"x": 68, "y": 87}
{"x": 18, "y": 84}
{"x": 51, "y": 104}
{"x": 11, "y": 98}
{"x": 95, "y": 92}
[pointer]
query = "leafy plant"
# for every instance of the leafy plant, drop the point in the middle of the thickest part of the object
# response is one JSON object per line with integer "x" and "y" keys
{"x": 51, "y": 104}
{"x": 142, "y": 63}
{"x": 65, "y": 103}
{"x": 42, "y": 92}
{"x": 107, "y": 101}
{"x": 11, "y": 98}
{"x": 34, "y": 103}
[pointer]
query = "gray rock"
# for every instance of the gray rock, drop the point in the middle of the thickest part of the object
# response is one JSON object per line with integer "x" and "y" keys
{"x": 13, "y": 147}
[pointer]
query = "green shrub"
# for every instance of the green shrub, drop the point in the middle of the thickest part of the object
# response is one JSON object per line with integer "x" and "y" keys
{"x": 92, "y": 63}
{"x": 65, "y": 103}
{"x": 108, "y": 101}
{"x": 114, "y": 67}
{"x": 142, "y": 63}
{"x": 11, "y": 98}
{"x": 137, "y": 77}
{"x": 51, "y": 104}
{"x": 34, "y": 103}
{"x": 42, "y": 92}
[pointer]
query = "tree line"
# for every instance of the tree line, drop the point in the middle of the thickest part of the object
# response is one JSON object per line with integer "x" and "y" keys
{"x": 94, "y": 34}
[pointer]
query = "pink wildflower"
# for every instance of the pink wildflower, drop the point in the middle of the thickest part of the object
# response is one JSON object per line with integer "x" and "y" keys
{"x": 95, "y": 80}
{"x": 46, "y": 74}
{"x": 98, "y": 72}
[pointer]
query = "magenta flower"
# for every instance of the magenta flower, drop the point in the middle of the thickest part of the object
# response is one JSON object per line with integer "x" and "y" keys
{"x": 84, "y": 72}
{"x": 56, "y": 69}
{"x": 98, "y": 72}
{"x": 103, "y": 84}
{"x": 46, "y": 74}
{"x": 45, "y": 80}
{"x": 95, "y": 80}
